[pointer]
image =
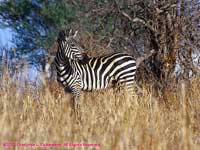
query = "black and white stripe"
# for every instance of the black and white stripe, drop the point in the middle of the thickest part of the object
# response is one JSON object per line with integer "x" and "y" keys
{"x": 77, "y": 73}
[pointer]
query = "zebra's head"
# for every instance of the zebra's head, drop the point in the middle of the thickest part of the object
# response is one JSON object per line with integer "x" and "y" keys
{"x": 68, "y": 46}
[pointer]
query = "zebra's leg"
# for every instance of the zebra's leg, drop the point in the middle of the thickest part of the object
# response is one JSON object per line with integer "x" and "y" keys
{"x": 73, "y": 99}
{"x": 76, "y": 103}
{"x": 117, "y": 89}
{"x": 129, "y": 86}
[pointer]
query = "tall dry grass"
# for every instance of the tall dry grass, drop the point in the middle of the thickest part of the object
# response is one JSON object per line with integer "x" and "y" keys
{"x": 33, "y": 114}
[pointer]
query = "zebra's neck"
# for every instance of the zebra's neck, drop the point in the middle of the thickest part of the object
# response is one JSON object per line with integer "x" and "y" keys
{"x": 75, "y": 65}
{"x": 63, "y": 65}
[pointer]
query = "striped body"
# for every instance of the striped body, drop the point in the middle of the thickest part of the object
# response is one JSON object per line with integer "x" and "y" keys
{"x": 95, "y": 73}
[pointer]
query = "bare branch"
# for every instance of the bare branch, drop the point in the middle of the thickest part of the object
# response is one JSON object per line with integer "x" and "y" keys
{"x": 165, "y": 8}
{"x": 136, "y": 19}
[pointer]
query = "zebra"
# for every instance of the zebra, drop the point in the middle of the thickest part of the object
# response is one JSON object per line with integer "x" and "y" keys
{"x": 77, "y": 72}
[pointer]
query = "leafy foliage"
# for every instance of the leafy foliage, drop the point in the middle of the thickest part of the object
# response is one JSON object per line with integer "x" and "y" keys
{"x": 37, "y": 22}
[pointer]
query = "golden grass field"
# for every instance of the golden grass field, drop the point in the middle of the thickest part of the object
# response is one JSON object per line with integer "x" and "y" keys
{"x": 30, "y": 114}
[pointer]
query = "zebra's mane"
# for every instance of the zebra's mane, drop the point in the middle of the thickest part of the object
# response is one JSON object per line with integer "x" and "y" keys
{"x": 85, "y": 59}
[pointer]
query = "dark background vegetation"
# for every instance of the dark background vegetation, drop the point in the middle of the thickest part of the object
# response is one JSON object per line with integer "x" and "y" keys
{"x": 169, "y": 27}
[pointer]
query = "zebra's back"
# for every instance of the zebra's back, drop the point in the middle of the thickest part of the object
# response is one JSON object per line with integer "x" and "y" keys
{"x": 98, "y": 73}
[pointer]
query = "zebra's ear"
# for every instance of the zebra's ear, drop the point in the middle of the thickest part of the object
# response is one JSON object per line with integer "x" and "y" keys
{"x": 70, "y": 32}
{"x": 75, "y": 34}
